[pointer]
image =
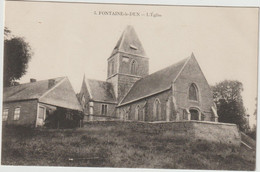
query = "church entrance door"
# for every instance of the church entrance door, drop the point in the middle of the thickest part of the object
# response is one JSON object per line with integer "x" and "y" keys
{"x": 194, "y": 114}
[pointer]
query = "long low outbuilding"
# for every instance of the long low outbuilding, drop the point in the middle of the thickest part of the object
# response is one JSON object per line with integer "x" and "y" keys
{"x": 30, "y": 103}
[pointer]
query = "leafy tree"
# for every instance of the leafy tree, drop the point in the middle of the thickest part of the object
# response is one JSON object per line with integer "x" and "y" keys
{"x": 17, "y": 54}
{"x": 229, "y": 102}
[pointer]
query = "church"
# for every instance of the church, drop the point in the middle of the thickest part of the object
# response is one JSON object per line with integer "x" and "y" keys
{"x": 176, "y": 93}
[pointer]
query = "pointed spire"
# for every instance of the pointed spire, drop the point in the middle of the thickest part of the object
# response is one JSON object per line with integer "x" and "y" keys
{"x": 129, "y": 43}
{"x": 192, "y": 55}
{"x": 83, "y": 85}
{"x": 84, "y": 77}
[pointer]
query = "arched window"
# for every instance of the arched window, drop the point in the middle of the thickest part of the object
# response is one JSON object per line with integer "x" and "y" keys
{"x": 141, "y": 114}
{"x": 137, "y": 112}
{"x": 112, "y": 67}
{"x": 157, "y": 110}
{"x": 133, "y": 67}
{"x": 193, "y": 92}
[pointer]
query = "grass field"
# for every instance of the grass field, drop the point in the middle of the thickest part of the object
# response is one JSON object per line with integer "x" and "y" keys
{"x": 117, "y": 144}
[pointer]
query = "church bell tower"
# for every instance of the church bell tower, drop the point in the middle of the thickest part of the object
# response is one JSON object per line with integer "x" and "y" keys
{"x": 127, "y": 64}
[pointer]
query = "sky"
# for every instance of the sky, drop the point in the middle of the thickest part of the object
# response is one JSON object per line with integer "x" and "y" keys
{"x": 73, "y": 39}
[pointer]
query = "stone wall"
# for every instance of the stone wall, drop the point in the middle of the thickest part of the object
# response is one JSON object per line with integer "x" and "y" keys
{"x": 98, "y": 107}
{"x": 122, "y": 79}
{"x": 202, "y": 130}
{"x": 125, "y": 83}
{"x": 193, "y": 74}
{"x": 217, "y": 132}
{"x": 224, "y": 133}
{"x": 125, "y": 63}
{"x": 114, "y": 80}
{"x": 28, "y": 112}
{"x": 148, "y": 108}
{"x": 89, "y": 118}
{"x": 114, "y": 60}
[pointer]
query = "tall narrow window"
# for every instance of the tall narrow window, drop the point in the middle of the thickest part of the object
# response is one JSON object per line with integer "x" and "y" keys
{"x": 157, "y": 110}
{"x": 133, "y": 67}
{"x": 104, "y": 109}
{"x": 137, "y": 113}
{"x": 5, "y": 114}
{"x": 112, "y": 67}
{"x": 109, "y": 68}
{"x": 193, "y": 92}
{"x": 17, "y": 113}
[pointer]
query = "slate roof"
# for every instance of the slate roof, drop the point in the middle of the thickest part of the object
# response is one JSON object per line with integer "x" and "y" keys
{"x": 101, "y": 91}
{"x": 60, "y": 94}
{"x": 155, "y": 82}
{"x": 27, "y": 91}
{"x": 129, "y": 43}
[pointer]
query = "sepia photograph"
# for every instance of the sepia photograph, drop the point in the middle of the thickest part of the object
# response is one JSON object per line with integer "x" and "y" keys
{"x": 129, "y": 86}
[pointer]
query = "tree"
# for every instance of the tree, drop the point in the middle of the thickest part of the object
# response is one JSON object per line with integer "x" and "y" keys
{"x": 63, "y": 118}
{"x": 229, "y": 102}
{"x": 17, "y": 54}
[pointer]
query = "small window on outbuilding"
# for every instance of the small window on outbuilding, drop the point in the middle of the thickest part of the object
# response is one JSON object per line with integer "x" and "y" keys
{"x": 193, "y": 92}
{"x": 5, "y": 114}
{"x": 17, "y": 113}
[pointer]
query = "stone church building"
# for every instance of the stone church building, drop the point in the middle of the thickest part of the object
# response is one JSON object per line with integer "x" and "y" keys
{"x": 178, "y": 92}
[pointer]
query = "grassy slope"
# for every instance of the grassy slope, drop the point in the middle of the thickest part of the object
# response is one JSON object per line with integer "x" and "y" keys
{"x": 117, "y": 144}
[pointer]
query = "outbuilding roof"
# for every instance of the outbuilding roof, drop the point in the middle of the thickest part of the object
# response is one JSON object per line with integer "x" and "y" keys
{"x": 27, "y": 91}
{"x": 155, "y": 82}
{"x": 59, "y": 93}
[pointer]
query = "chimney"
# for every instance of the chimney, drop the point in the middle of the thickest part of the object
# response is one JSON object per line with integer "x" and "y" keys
{"x": 51, "y": 83}
{"x": 32, "y": 80}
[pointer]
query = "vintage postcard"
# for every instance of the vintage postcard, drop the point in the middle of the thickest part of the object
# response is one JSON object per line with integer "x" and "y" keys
{"x": 129, "y": 86}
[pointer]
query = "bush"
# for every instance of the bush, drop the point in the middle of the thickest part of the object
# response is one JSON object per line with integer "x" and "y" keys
{"x": 64, "y": 118}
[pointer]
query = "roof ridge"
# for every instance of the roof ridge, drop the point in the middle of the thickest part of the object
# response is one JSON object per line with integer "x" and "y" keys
{"x": 51, "y": 89}
{"x": 186, "y": 61}
{"x": 34, "y": 82}
{"x": 123, "y": 38}
{"x": 174, "y": 64}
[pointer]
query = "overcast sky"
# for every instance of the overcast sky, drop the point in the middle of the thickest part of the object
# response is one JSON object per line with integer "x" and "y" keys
{"x": 68, "y": 39}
